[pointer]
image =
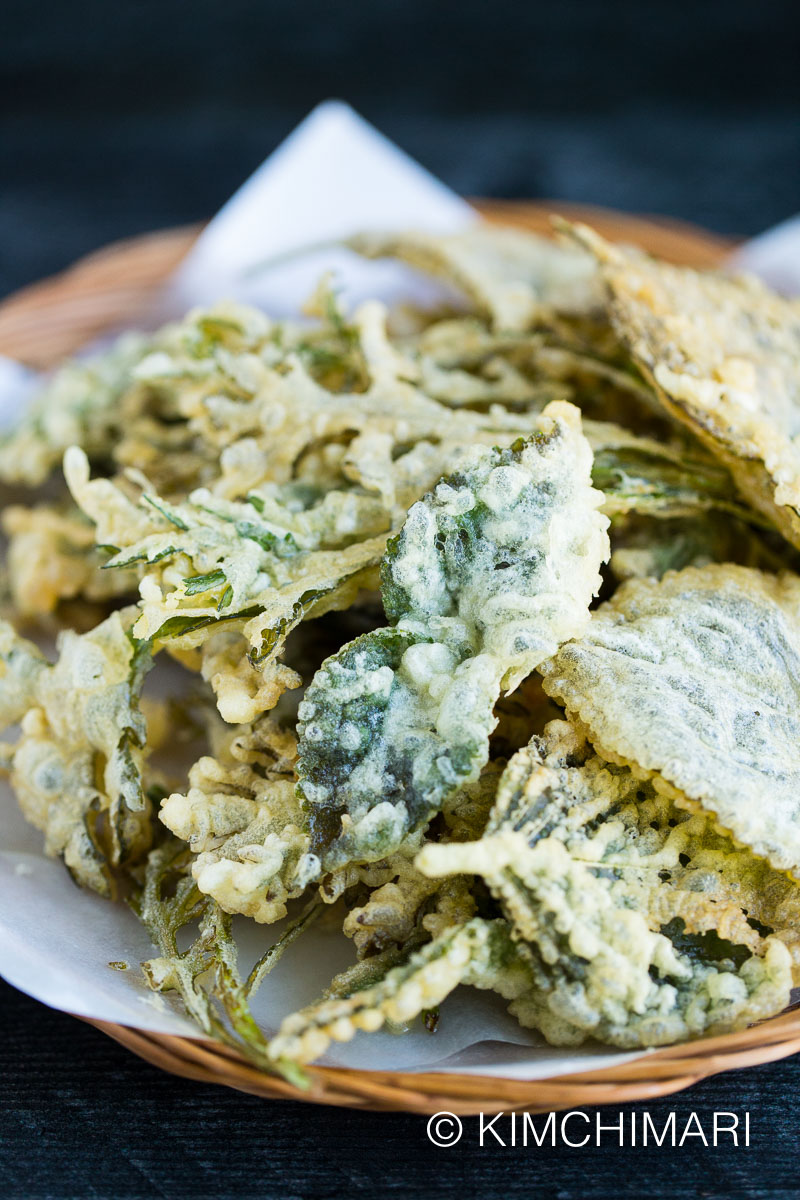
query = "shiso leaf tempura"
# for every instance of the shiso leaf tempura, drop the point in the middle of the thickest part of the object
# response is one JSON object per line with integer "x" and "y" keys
{"x": 487, "y": 631}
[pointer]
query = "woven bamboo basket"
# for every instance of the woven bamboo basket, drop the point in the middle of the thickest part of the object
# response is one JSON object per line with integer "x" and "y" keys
{"x": 111, "y": 288}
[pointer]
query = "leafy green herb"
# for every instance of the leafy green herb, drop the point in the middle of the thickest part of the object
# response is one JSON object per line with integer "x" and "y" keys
{"x": 203, "y": 583}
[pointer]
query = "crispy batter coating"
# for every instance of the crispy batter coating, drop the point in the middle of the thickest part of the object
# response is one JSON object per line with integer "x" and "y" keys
{"x": 510, "y": 276}
{"x": 489, "y": 572}
{"x": 509, "y": 547}
{"x": 79, "y": 405}
{"x": 248, "y": 476}
{"x": 52, "y": 557}
{"x": 642, "y": 923}
{"x": 21, "y": 663}
{"x": 243, "y": 691}
{"x": 403, "y": 901}
{"x": 723, "y": 354}
{"x": 695, "y": 680}
{"x": 480, "y": 953}
{"x": 241, "y": 819}
{"x": 77, "y": 765}
{"x": 212, "y": 567}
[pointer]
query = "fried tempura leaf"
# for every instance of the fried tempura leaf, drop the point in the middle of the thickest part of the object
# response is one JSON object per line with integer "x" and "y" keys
{"x": 77, "y": 766}
{"x": 511, "y": 276}
{"x": 644, "y": 924}
{"x": 206, "y": 974}
{"x": 499, "y": 563}
{"x": 52, "y": 557}
{"x": 389, "y": 727}
{"x": 276, "y": 411}
{"x": 21, "y": 664}
{"x": 641, "y": 475}
{"x": 461, "y": 361}
{"x": 260, "y": 475}
{"x": 403, "y": 902}
{"x": 80, "y": 404}
{"x": 696, "y": 680}
{"x": 408, "y": 904}
{"x": 723, "y": 355}
{"x": 644, "y": 545}
{"x": 509, "y": 547}
{"x": 480, "y": 953}
{"x": 241, "y": 819}
{"x": 621, "y": 983}
{"x": 349, "y": 766}
{"x": 243, "y": 691}
{"x": 215, "y": 569}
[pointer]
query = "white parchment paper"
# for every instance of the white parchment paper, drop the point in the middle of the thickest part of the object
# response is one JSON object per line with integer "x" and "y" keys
{"x": 334, "y": 176}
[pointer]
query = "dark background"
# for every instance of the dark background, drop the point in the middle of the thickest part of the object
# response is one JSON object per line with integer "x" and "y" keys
{"x": 123, "y": 117}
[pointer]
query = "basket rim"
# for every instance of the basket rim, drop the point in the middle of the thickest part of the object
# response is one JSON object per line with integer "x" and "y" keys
{"x": 45, "y": 321}
{"x": 652, "y": 1074}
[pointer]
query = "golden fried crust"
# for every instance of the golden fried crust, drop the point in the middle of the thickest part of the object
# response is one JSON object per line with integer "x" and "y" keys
{"x": 612, "y": 893}
{"x": 724, "y": 356}
{"x": 696, "y": 680}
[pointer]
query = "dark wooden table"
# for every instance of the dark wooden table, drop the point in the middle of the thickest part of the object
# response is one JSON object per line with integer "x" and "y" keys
{"x": 81, "y": 1117}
